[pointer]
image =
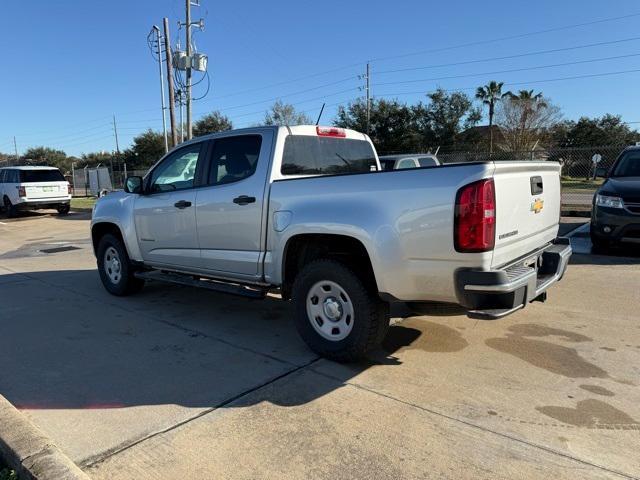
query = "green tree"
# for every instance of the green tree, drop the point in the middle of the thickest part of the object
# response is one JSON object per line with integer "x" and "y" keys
{"x": 285, "y": 114}
{"x": 146, "y": 150}
{"x": 48, "y": 156}
{"x": 391, "y": 124}
{"x": 594, "y": 132}
{"x": 212, "y": 123}
{"x": 489, "y": 95}
{"x": 447, "y": 114}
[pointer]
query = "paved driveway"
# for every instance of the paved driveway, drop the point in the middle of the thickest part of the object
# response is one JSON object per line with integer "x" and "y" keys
{"x": 185, "y": 383}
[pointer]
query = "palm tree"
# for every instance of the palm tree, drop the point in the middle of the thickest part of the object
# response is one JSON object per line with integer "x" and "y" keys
{"x": 529, "y": 97}
{"x": 490, "y": 94}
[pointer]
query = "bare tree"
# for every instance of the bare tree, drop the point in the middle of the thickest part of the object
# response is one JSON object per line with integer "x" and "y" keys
{"x": 525, "y": 120}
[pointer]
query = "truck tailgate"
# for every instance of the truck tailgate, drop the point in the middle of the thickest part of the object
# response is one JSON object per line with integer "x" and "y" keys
{"x": 527, "y": 208}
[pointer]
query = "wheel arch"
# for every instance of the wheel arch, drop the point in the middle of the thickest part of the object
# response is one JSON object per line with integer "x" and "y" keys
{"x": 99, "y": 230}
{"x": 304, "y": 248}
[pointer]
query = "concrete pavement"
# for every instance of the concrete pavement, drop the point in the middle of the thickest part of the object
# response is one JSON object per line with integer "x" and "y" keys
{"x": 179, "y": 382}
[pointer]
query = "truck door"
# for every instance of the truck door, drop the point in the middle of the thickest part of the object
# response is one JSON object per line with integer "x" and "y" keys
{"x": 229, "y": 210}
{"x": 165, "y": 215}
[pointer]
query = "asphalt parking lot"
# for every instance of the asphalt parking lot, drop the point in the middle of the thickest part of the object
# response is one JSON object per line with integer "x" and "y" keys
{"x": 185, "y": 383}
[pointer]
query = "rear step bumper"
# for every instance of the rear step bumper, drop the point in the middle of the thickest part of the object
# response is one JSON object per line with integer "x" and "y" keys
{"x": 496, "y": 293}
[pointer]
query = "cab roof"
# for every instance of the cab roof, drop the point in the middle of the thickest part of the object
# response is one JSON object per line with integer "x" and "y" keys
{"x": 30, "y": 167}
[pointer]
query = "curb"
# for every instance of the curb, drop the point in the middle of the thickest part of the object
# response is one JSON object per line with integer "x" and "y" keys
{"x": 30, "y": 452}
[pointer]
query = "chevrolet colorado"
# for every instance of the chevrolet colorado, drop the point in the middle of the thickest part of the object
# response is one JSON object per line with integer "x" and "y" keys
{"x": 307, "y": 212}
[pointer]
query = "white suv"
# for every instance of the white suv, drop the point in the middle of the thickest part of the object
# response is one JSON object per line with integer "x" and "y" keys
{"x": 33, "y": 187}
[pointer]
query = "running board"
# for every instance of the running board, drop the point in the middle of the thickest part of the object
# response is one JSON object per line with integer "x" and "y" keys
{"x": 192, "y": 281}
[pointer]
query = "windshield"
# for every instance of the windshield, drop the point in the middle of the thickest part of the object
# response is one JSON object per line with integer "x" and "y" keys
{"x": 304, "y": 155}
{"x": 628, "y": 165}
{"x": 27, "y": 176}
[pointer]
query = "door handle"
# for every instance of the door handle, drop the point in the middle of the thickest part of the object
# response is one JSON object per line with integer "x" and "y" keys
{"x": 244, "y": 200}
{"x": 182, "y": 204}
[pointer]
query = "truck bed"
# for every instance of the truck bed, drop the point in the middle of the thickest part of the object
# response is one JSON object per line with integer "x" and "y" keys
{"x": 405, "y": 220}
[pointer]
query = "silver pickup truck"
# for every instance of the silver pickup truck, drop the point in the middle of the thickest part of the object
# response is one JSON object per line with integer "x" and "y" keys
{"x": 306, "y": 212}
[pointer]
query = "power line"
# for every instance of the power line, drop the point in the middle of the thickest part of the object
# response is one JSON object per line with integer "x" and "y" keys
{"x": 273, "y": 99}
{"x": 315, "y": 99}
{"x": 510, "y": 37}
{"x": 563, "y": 64}
{"x": 575, "y": 77}
{"x": 508, "y": 57}
{"x": 482, "y": 42}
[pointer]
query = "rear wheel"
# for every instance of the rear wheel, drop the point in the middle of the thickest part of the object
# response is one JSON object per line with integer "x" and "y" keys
{"x": 9, "y": 208}
{"x": 115, "y": 268}
{"x": 63, "y": 209}
{"x": 336, "y": 314}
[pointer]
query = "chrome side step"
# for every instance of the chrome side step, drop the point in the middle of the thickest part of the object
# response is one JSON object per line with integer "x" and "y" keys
{"x": 192, "y": 281}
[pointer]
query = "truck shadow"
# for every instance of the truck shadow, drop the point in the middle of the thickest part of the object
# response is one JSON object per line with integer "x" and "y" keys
{"x": 67, "y": 344}
{"x": 25, "y": 215}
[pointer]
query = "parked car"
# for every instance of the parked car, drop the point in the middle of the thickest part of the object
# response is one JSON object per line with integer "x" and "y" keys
{"x": 30, "y": 188}
{"x": 415, "y": 160}
{"x": 616, "y": 204}
{"x": 305, "y": 211}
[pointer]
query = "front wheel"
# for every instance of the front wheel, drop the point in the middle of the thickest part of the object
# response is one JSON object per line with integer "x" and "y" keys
{"x": 336, "y": 314}
{"x": 115, "y": 268}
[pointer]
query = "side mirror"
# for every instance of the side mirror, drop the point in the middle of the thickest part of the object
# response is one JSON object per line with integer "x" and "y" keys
{"x": 133, "y": 185}
{"x": 601, "y": 172}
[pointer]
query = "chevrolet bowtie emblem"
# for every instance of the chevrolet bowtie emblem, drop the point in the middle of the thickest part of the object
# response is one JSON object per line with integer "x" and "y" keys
{"x": 537, "y": 206}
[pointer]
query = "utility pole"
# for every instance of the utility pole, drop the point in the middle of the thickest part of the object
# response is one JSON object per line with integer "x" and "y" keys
{"x": 15, "y": 148}
{"x": 367, "y": 88}
{"x": 172, "y": 99}
{"x": 188, "y": 76}
{"x": 164, "y": 117}
{"x": 181, "y": 103}
{"x": 115, "y": 133}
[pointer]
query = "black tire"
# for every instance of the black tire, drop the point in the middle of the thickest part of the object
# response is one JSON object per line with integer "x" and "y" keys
{"x": 126, "y": 283}
{"x": 371, "y": 315}
{"x": 63, "y": 209}
{"x": 10, "y": 209}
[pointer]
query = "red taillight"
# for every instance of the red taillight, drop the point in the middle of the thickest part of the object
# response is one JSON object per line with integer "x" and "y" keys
{"x": 331, "y": 132}
{"x": 475, "y": 217}
{"x": 22, "y": 192}
{"x": 69, "y": 188}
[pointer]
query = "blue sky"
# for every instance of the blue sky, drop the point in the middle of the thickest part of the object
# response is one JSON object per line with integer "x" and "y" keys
{"x": 69, "y": 65}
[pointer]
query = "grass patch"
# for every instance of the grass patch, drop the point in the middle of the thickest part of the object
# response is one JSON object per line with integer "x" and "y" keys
{"x": 581, "y": 184}
{"x": 84, "y": 203}
{"x": 6, "y": 474}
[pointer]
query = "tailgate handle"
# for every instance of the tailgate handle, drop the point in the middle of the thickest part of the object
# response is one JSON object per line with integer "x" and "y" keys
{"x": 536, "y": 185}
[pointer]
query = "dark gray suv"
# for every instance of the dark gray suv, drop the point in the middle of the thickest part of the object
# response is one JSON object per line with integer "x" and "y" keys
{"x": 616, "y": 204}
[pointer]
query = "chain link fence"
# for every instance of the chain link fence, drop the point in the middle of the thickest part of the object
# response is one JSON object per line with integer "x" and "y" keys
{"x": 578, "y": 174}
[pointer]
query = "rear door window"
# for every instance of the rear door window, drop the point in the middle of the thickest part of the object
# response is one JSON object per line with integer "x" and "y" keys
{"x": 29, "y": 176}
{"x": 12, "y": 176}
{"x": 309, "y": 155}
{"x": 234, "y": 158}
